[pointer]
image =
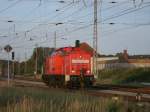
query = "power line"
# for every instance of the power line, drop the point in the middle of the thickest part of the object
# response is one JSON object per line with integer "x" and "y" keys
{"x": 126, "y": 23}
{"x": 86, "y": 26}
{"x": 54, "y": 11}
{"x": 33, "y": 28}
{"x": 45, "y": 21}
{"x": 123, "y": 29}
{"x": 117, "y": 4}
{"x": 82, "y": 27}
{"x": 57, "y": 16}
{"x": 116, "y": 16}
{"x": 48, "y": 19}
{"x": 91, "y": 13}
{"x": 78, "y": 10}
{"x": 10, "y": 6}
{"x": 122, "y": 14}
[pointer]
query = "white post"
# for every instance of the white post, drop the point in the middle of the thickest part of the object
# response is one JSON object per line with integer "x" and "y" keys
{"x": 8, "y": 70}
{"x": 36, "y": 62}
{"x": 8, "y": 48}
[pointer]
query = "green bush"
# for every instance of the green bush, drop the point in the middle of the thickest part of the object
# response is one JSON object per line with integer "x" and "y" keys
{"x": 125, "y": 76}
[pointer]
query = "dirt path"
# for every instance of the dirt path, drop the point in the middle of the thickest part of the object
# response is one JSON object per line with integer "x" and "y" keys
{"x": 3, "y": 83}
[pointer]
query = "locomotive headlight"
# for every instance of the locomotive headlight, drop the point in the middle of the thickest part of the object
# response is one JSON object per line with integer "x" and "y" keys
{"x": 73, "y": 71}
{"x": 88, "y": 71}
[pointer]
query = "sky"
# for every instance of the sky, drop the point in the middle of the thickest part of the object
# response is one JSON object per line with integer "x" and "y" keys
{"x": 26, "y": 24}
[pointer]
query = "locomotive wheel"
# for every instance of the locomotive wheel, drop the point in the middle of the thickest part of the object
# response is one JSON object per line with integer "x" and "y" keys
{"x": 52, "y": 84}
{"x": 54, "y": 81}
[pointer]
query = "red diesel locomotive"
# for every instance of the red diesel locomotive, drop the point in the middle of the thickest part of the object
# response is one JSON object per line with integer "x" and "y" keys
{"x": 68, "y": 66}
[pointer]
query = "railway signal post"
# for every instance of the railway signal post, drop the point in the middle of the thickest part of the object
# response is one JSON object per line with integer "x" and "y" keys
{"x": 8, "y": 48}
{"x": 13, "y": 63}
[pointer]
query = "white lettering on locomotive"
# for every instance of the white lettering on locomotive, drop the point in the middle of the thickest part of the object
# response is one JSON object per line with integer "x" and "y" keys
{"x": 79, "y": 61}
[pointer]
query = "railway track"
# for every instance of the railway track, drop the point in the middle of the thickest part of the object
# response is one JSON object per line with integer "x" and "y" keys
{"x": 128, "y": 92}
{"x": 27, "y": 83}
{"x": 113, "y": 91}
{"x": 137, "y": 89}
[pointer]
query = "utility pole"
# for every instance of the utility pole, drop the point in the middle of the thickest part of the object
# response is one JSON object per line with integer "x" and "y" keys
{"x": 25, "y": 70}
{"x": 36, "y": 59}
{"x": 8, "y": 76}
{"x": 55, "y": 40}
{"x": 95, "y": 41}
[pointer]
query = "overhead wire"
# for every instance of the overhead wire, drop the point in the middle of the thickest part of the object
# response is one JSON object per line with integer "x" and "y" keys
{"x": 115, "y": 16}
{"x": 115, "y": 31}
{"x": 91, "y": 13}
{"x": 88, "y": 25}
{"x": 49, "y": 19}
{"x": 10, "y": 6}
{"x": 53, "y": 17}
{"x": 125, "y": 12}
{"x": 34, "y": 9}
{"x": 42, "y": 22}
{"x": 54, "y": 11}
{"x": 76, "y": 11}
{"x": 56, "y": 15}
{"x": 123, "y": 29}
{"x": 83, "y": 27}
{"x": 36, "y": 26}
{"x": 132, "y": 25}
{"x": 116, "y": 5}
{"x": 119, "y": 15}
{"x": 105, "y": 20}
{"x": 31, "y": 29}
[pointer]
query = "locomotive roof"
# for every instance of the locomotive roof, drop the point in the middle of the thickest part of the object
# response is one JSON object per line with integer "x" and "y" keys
{"x": 67, "y": 50}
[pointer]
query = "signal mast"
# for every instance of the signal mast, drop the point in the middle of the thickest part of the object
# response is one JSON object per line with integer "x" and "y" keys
{"x": 95, "y": 40}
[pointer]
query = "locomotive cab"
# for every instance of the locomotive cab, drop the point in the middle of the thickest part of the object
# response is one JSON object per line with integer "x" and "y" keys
{"x": 68, "y": 66}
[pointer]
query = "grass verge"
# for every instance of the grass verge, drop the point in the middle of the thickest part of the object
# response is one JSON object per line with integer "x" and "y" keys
{"x": 41, "y": 100}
